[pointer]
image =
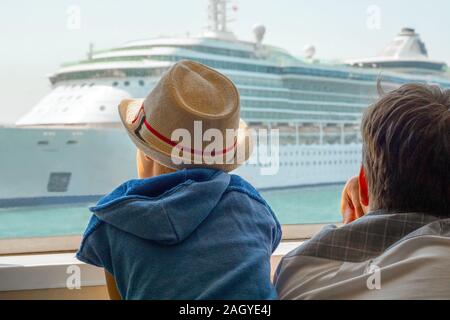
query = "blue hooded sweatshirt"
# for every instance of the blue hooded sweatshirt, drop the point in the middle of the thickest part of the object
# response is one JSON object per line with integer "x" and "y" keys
{"x": 191, "y": 234}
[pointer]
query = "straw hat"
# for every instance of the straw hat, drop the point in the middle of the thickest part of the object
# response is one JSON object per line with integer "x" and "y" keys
{"x": 172, "y": 124}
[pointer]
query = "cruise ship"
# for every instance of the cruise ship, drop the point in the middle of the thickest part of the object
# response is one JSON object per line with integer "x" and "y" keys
{"x": 71, "y": 147}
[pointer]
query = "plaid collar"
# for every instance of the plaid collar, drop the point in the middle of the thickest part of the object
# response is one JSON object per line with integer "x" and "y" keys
{"x": 370, "y": 235}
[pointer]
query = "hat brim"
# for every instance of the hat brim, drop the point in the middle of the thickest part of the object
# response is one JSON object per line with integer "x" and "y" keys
{"x": 161, "y": 152}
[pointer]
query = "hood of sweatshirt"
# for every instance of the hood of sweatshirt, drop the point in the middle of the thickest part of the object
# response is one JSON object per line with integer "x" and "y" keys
{"x": 165, "y": 209}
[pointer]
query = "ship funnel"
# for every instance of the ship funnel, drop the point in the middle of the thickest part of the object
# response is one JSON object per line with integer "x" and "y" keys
{"x": 405, "y": 53}
{"x": 407, "y": 44}
{"x": 408, "y": 31}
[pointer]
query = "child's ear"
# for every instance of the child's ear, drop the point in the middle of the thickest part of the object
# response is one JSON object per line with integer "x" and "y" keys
{"x": 363, "y": 188}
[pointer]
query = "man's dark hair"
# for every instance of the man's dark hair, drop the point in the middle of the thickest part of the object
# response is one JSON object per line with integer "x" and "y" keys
{"x": 406, "y": 150}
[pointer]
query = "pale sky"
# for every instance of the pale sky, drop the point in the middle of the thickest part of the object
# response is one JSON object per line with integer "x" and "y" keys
{"x": 35, "y": 38}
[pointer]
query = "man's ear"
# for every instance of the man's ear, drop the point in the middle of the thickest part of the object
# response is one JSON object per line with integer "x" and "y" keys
{"x": 363, "y": 188}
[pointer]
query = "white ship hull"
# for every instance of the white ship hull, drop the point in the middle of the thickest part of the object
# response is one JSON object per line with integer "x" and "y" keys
{"x": 66, "y": 165}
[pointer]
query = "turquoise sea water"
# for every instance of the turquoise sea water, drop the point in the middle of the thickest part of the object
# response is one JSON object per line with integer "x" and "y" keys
{"x": 301, "y": 205}
{"x": 306, "y": 205}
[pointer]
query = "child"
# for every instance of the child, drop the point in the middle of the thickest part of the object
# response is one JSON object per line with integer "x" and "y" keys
{"x": 184, "y": 230}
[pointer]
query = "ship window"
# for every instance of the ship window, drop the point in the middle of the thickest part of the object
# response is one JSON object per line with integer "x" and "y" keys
{"x": 58, "y": 181}
{"x": 281, "y": 83}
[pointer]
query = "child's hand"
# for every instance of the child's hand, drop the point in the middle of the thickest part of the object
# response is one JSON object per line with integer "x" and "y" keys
{"x": 351, "y": 206}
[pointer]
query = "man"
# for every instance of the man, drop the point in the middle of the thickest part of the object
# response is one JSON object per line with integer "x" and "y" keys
{"x": 187, "y": 229}
{"x": 396, "y": 240}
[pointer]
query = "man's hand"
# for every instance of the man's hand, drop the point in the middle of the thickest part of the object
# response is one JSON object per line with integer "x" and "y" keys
{"x": 351, "y": 206}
